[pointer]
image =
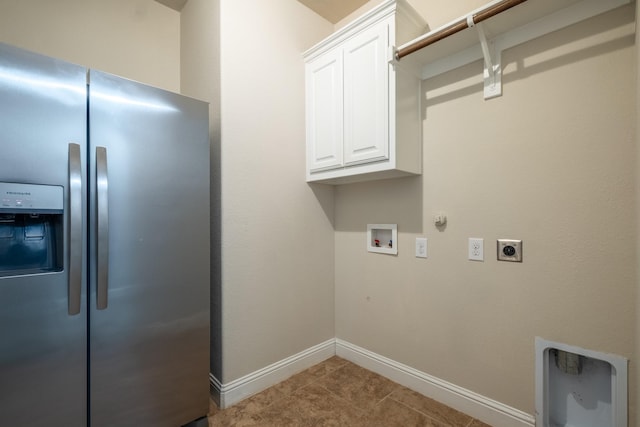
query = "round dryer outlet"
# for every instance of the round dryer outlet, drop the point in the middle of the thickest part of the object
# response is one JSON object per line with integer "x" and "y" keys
{"x": 510, "y": 250}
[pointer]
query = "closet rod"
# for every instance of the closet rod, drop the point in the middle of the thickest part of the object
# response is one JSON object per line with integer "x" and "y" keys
{"x": 461, "y": 24}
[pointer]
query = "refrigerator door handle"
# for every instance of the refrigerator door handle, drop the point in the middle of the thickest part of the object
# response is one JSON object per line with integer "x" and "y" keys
{"x": 102, "y": 208}
{"x": 74, "y": 236}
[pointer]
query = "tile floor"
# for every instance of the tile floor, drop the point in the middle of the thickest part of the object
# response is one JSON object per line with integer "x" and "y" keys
{"x": 337, "y": 392}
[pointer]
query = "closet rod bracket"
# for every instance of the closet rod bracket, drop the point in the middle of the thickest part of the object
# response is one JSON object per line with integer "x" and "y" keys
{"x": 492, "y": 62}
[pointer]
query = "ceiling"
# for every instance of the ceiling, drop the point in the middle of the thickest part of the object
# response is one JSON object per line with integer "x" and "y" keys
{"x": 331, "y": 10}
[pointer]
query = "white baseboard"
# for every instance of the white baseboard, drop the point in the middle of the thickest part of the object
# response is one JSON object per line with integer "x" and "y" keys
{"x": 237, "y": 390}
{"x": 480, "y": 407}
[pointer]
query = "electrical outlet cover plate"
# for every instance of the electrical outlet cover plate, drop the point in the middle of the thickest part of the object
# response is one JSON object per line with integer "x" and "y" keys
{"x": 421, "y": 247}
{"x": 510, "y": 250}
{"x": 476, "y": 249}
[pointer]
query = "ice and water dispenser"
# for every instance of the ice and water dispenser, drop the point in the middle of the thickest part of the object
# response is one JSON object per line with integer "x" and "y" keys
{"x": 31, "y": 228}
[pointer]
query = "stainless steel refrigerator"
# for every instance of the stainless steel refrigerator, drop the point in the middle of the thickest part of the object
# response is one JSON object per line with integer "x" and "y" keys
{"x": 104, "y": 249}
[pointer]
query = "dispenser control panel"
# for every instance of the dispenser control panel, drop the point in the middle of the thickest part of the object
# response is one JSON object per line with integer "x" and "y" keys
{"x": 23, "y": 198}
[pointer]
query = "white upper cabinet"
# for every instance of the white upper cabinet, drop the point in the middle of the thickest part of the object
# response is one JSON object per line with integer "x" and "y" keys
{"x": 324, "y": 87}
{"x": 366, "y": 98}
{"x": 363, "y": 116}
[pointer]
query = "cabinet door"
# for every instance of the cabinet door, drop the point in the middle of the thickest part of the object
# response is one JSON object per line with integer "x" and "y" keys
{"x": 366, "y": 135}
{"x": 324, "y": 111}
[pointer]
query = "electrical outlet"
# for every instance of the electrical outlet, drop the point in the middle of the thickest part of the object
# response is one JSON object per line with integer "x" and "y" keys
{"x": 476, "y": 249}
{"x": 421, "y": 247}
{"x": 509, "y": 250}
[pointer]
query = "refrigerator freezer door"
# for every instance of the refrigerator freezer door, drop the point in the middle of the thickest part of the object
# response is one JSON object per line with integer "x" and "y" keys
{"x": 150, "y": 345}
{"x": 42, "y": 347}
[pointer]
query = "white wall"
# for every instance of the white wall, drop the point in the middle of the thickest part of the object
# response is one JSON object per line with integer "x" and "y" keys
{"x": 438, "y": 12}
{"x": 277, "y": 234}
{"x": 200, "y": 78}
{"x": 274, "y": 269}
{"x": 565, "y": 128}
{"x": 137, "y": 39}
{"x": 552, "y": 162}
{"x": 635, "y": 372}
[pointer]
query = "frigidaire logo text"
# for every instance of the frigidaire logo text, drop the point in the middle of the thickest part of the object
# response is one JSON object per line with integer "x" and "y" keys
{"x": 19, "y": 193}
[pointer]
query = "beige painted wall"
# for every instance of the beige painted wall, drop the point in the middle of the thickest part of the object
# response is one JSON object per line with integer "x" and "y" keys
{"x": 636, "y": 360}
{"x": 552, "y": 162}
{"x": 436, "y": 12}
{"x": 200, "y": 78}
{"x": 564, "y": 127}
{"x": 137, "y": 39}
{"x": 277, "y": 232}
